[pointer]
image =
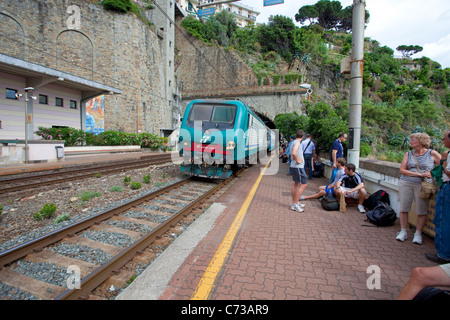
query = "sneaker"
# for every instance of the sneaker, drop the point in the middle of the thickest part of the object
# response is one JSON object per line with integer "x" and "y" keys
{"x": 417, "y": 238}
{"x": 402, "y": 236}
{"x": 301, "y": 205}
{"x": 361, "y": 208}
{"x": 297, "y": 208}
{"x": 302, "y": 197}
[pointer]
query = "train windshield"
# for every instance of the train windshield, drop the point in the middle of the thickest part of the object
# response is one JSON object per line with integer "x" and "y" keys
{"x": 220, "y": 116}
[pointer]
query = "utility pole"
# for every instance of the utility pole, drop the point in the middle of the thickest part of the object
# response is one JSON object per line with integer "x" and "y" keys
{"x": 356, "y": 81}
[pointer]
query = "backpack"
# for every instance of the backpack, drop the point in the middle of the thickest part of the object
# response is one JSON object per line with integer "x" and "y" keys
{"x": 329, "y": 203}
{"x": 382, "y": 215}
{"x": 372, "y": 201}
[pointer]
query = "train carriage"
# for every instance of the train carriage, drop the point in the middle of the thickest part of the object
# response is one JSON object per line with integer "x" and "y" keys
{"x": 218, "y": 137}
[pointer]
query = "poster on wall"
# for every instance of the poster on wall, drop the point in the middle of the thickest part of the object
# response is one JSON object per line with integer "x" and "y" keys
{"x": 95, "y": 116}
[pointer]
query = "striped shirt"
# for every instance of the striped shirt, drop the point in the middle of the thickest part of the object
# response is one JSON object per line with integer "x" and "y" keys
{"x": 425, "y": 161}
{"x": 351, "y": 181}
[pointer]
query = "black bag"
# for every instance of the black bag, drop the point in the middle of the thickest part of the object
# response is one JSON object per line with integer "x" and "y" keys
{"x": 329, "y": 203}
{"x": 382, "y": 215}
{"x": 372, "y": 201}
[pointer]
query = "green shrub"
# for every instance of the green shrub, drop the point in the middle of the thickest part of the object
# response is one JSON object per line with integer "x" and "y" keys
{"x": 71, "y": 136}
{"x": 115, "y": 189}
{"x": 46, "y": 212}
{"x": 135, "y": 185}
{"x": 364, "y": 149}
{"x": 147, "y": 178}
{"x": 126, "y": 180}
{"x": 117, "y": 5}
{"x": 88, "y": 195}
{"x": 62, "y": 217}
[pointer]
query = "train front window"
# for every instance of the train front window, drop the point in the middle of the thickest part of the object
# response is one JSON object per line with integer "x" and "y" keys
{"x": 201, "y": 112}
{"x": 220, "y": 116}
{"x": 224, "y": 114}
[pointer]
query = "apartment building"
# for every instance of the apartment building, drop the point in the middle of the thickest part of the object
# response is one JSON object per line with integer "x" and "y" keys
{"x": 245, "y": 15}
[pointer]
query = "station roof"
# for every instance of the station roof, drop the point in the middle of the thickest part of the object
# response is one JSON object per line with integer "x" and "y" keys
{"x": 37, "y": 75}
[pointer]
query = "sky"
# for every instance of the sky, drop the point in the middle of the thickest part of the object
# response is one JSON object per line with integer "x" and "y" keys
{"x": 392, "y": 23}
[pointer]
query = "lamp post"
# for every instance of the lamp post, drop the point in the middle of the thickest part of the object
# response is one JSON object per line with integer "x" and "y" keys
{"x": 28, "y": 120}
{"x": 356, "y": 81}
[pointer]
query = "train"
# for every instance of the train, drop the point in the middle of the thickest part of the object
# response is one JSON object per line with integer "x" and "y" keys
{"x": 218, "y": 137}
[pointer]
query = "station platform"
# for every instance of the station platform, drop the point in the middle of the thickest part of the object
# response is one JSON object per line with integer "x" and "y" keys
{"x": 249, "y": 245}
{"x": 73, "y": 161}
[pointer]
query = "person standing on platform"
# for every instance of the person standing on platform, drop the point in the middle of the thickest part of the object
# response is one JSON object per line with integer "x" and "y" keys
{"x": 298, "y": 172}
{"x": 337, "y": 151}
{"x": 288, "y": 153}
{"x": 416, "y": 166}
{"x": 309, "y": 149}
{"x": 442, "y": 211}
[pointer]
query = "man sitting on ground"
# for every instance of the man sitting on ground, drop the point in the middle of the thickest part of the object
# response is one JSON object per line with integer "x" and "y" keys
{"x": 351, "y": 184}
{"x": 328, "y": 190}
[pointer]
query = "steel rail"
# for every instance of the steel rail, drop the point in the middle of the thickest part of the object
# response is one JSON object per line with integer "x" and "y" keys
{"x": 107, "y": 169}
{"x": 39, "y": 243}
{"x": 114, "y": 164}
{"x": 89, "y": 283}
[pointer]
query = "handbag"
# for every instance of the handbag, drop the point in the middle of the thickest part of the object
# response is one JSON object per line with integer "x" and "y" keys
{"x": 428, "y": 188}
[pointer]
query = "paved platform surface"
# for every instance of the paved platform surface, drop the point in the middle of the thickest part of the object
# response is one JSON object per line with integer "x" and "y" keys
{"x": 279, "y": 254}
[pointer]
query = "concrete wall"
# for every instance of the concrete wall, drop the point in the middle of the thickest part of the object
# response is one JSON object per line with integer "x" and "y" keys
{"x": 118, "y": 50}
{"x": 38, "y": 151}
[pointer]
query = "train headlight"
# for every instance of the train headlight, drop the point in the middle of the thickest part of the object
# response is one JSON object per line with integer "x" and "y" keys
{"x": 231, "y": 145}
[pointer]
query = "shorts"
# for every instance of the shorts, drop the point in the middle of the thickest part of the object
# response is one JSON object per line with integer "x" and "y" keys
{"x": 329, "y": 191}
{"x": 299, "y": 175}
{"x": 353, "y": 195}
{"x": 446, "y": 268}
{"x": 408, "y": 192}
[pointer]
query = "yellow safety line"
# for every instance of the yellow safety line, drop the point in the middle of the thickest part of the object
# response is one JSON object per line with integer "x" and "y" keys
{"x": 206, "y": 283}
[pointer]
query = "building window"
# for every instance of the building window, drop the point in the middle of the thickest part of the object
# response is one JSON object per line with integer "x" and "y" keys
{"x": 11, "y": 94}
{"x": 73, "y": 104}
{"x": 59, "y": 102}
{"x": 43, "y": 99}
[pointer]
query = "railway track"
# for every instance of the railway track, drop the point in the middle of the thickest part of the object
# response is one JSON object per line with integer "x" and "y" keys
{"x": 24, "y": 182}
{"x": 113, "y": 237}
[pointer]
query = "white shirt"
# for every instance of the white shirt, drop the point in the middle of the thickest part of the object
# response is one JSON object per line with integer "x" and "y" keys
{"x": 310, "y": 148}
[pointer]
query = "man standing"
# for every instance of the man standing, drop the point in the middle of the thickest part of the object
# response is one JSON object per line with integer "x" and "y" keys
{"x": 308, "y": 148}
{"x": 288, "y": 153}
{"x": 442, "y": 209}
{"x": 351, "y": 185}
{"x": 298, "y": 172}
{"x": 337, "y": 151}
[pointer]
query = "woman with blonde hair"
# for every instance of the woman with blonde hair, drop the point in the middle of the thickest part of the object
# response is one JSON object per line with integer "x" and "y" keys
{"x": 411, "y": 182}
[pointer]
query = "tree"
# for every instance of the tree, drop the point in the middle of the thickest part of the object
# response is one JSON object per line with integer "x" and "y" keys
{"x": 408, "y": 51}
{"x": 346, "y": 21}
{"x": 328, "y": 14}
{"x": 279, "y": 36}
{"x": 309, "y": 13}
{"x": 289, "y": 123}
{"x": 325, "y": 12}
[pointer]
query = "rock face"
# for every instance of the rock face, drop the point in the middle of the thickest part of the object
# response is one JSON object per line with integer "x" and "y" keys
{"x": 215, "y": 73}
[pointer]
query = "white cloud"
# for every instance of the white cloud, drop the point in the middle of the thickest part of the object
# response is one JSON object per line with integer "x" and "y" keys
{"x": 438, "y": 51}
